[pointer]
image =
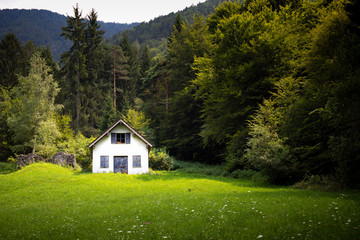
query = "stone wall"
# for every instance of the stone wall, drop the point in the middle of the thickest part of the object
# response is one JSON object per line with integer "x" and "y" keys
{"x": 63, "y": 159}
{"x": 27, "y": 159}
{"x": 59, "y": 158}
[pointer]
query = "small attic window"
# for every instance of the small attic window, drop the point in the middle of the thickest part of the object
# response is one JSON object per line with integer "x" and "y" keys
{"x": 120, "y": 138}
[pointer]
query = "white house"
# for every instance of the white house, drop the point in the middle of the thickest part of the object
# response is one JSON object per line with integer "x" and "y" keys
{"x": 120, "y": 149}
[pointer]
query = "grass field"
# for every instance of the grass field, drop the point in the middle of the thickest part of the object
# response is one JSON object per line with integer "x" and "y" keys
{"x": 45, "y": 201}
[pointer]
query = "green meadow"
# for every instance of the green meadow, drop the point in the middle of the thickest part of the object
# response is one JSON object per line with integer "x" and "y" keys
{"x": 45, "y": 201}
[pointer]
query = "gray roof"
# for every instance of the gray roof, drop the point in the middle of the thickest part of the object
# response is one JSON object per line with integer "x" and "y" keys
{"x": 126, "y": 125}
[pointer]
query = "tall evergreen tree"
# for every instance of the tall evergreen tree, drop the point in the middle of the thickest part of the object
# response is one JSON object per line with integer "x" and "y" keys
{"x": 13, "y": 61}
{"x": 121, "y": 79}
{"x": 98, "y": 73}
{"x": 73, "y": 64}
{"x": 131, "y": 52}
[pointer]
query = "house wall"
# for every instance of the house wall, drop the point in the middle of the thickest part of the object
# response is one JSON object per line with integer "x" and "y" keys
{"x": 136, "y": 147}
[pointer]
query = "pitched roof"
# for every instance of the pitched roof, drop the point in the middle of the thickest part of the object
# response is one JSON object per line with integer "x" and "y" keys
{"x": 126, "y": 125}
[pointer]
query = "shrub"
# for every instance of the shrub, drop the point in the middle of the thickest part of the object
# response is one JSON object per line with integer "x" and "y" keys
{"x": 159, "y": 159}
{"x": 316, "y": 182}
{"x": 243, "y": 173}
{"x": 6, "y": 168}
{"x": 260, "y": 178}
{"x": 78, "y": 145}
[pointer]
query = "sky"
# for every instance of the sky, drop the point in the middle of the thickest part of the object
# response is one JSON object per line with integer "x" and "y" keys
{"x": 120, "y": 11}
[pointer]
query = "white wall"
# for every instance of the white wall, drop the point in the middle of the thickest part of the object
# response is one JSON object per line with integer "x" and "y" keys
{"x": 136, "y": 147}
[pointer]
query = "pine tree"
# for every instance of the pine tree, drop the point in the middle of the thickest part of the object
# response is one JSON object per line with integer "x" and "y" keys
{"x": 73, "y": 63}
{"x": 131, "y": 52}
{"x": 93, "y": 87}
{"x": 13, "y": 61}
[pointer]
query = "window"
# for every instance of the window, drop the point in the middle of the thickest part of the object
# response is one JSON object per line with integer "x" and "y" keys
{"x": 120, "y": 138}
{"x": 104, "y": 161}
{"x": 137, "y": 161}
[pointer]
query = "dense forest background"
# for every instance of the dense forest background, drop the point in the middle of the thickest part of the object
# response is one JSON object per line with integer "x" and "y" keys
{"x": 43, "y": 28}
{"x": 266, "y": 85}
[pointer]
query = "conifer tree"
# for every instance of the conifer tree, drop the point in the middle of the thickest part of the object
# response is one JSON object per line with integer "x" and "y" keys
{"x": 73, "y": 63}
{"x": 12, "y": 61}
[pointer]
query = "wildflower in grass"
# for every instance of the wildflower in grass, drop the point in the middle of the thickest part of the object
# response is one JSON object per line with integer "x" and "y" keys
{"x": 260, "y": 236}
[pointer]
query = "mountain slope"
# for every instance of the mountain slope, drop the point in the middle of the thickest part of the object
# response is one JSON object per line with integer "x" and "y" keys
{"x": 44, "y": 28}
{"x": 161, "y": 27}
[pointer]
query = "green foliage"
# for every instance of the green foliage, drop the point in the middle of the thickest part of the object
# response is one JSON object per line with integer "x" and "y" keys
{"x": 182, "y": 111}
{"x": 5, "y": 136}
{"x": 137, "y": 120}
{"x": 159, "y": 159}
{"x": 74, "y": 144}
{"x": 78, "y": 145}
{"x": 86, "y": 72}
{"x": 32, "y": 109}
{"x": 252, "y": 47}
{"x": 200, "y": 168}
{"x": 266, "y": 150}
{"x": 319, "y": 183}
{"x": 13, "y": 61}
{"x": 48, "y": 134}
{"x": 73, "y": 62}
{"x": 6, "y": 168}
{"x": 243, "y": 173}
{"x": 108, "y": 116}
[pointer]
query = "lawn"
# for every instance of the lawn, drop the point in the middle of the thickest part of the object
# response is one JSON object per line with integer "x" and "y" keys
{"x": 45, "y": 201}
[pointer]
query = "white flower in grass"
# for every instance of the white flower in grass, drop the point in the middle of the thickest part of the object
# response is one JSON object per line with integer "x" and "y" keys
{"x": 260, "y": 236}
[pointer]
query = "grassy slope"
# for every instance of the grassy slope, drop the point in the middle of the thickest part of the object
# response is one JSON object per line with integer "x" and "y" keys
{"x": 44, "y": 201}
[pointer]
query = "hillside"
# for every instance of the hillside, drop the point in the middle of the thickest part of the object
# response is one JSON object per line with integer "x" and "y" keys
{"x": 44, "y": 28}
{"x": 154, "y": 32}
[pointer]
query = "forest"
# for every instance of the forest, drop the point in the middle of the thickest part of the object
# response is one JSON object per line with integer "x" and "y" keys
{"x": 267, "y": 85}
{"x": 43, "y": 27}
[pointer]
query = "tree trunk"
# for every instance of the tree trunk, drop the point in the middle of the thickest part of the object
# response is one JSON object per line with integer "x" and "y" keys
{"x": 33, "y": 150}
{"x": 114, "y": 83}
{"x": 77, "y": 103}
{"x": 167, "y": 95}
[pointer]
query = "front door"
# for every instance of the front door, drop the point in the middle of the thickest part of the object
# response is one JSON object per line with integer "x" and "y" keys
{"x": 121, "y": 165}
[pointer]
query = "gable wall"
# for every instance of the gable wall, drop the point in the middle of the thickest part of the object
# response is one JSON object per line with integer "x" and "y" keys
{"x": 136, "y": 147}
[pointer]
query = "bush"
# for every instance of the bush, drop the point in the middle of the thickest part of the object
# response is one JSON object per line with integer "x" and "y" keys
{"x": 78, "y": 145}
{"x": 6, "y": 168}
{"x": 243, "y": 173}
{"x": 316, "y": 182}
{"x": 201, "y": 168}
{"x": 159, "y": 159}
{"x": 260, "y": 178}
